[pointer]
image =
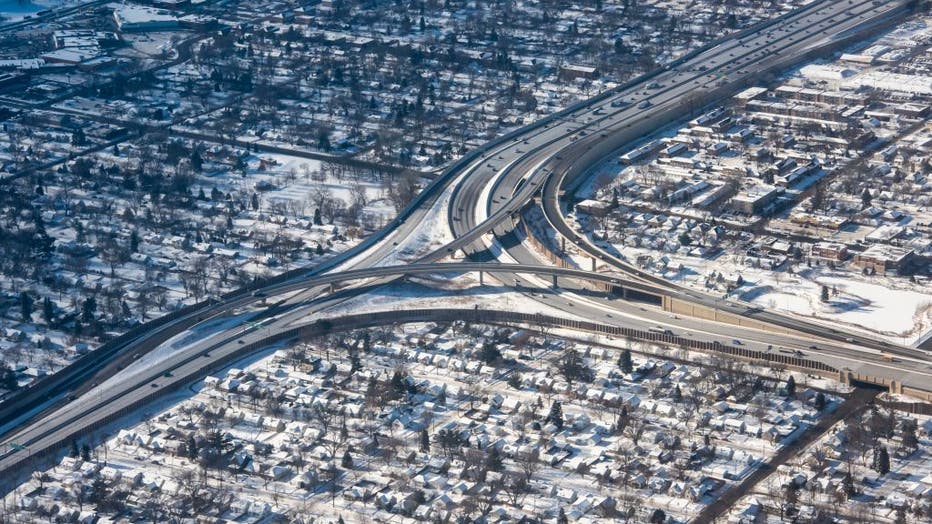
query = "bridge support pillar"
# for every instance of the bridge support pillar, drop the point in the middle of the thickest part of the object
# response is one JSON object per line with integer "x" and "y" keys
{"x": 563, "y": 244}
{"x": 555, "y": 281}
{"x": 845, "y": 377}
{"x": 481, "y": 279}
{"x": 593, "y": 264}
{"x": 333, "y": 288}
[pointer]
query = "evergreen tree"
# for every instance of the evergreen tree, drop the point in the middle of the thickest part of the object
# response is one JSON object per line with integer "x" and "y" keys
{"x": 908, "y": 429}
{"x": 372, "y": 389}
{"x": 624, "y": 362}
{"x": 489, "y": 353}
{"x": 442, "y": 397}
{"x": 48, "y": 310}
{"x": 398, "y": 385}
{"x": 347, "y": 461}
{"x": 819, "y": 401}
{"x": 882, "y": 460}
{"x": 197, "y": 162}
{"x": 317, "y": 219}
{"x": 99, "y": 492}
{"x": 824, "y": 297}
{"x": 191, "y": 446}
{"x": 134, "y": 241}
{"x": 659, "y": 516}
{"x": 555, "y": 416}
{"x": 74, "y": 452}
{"x": 425, "y": 441}
{"x": 85, "y": 453}
{"x": 8, "y": 377}
{"x": 25, "y": 306}
{"x": 677, "y": 393}
{"x": 493, "y": 461}
{"x": 847, "y": 486}
{"x": 88, "y": 310}
{"x": 790, "y": 386}
{"x": 791, "y": 493}
{"x": 514, "y": 380}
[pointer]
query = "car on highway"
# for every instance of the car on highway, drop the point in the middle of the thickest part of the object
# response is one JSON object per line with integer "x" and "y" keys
{"x": 644, "y": 104}
{"x": 736, "y": 342}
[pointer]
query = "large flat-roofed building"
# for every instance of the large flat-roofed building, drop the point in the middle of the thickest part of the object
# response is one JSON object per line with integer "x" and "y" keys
{"x": 572, "y": 72}
{"x": 129, "y": 17}
{"x": 884, "y": 259}
{"x": 753, "y": 200}
{"x": 834, "y": 251}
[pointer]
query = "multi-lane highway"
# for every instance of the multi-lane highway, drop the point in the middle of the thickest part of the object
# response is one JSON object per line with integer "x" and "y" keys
{"x": 564, "y": 156}
{"x": 487, "y": 192}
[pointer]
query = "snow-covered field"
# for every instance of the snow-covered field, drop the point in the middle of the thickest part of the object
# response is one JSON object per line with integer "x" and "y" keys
{"x": 901, "y": 315}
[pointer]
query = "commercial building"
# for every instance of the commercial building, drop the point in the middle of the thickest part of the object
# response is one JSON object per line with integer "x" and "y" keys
{"x": 754, "y": 200}
{"x": 131, "y": 18}
{"x": 884, "y": 259}
{"x": 833, "y": 251}
{"x": 572, "y": 72}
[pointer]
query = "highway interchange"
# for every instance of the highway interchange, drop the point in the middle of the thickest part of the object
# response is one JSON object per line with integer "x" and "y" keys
{"x": 487, "y": 193}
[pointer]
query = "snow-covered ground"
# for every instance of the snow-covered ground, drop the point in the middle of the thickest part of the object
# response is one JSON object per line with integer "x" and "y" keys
{"x": 901, "y": 315}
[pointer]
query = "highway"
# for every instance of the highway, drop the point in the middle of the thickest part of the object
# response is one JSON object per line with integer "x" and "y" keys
{"x": 489, "y": 189}
{"x": 561, "y": 159}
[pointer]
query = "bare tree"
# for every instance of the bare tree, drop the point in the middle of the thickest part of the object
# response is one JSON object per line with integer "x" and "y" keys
{"x": 635, "y": 428}
{"x": 529, "y": 462}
